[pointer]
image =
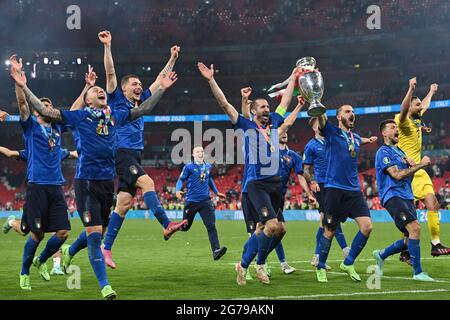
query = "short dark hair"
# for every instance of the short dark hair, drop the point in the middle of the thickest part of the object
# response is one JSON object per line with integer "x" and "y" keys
{"x": 253, "y": 104}
{"x": 384, "y": 123}
{"x": 125, "y": 79}
{"x": 414, "y": 98}
{"x": 85, "y": 94}
{"x": 45, "y": 99}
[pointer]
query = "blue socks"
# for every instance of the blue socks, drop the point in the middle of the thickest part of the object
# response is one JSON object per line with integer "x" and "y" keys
{"x": 250, "y": 251}
{"x": 414, "y": 252}
{"x": 263, "y": 247}
{"x": 52, "y": 246}
{"x": 114, "y": 225}
{"x": 394, "y": 248}
{"x": 340, "y": 238}
{"x": 94, "y": 241}
{"x": 28, "y": 254}
{"x": 318, "y": 236}
{"x": 324, "y": 249}
{"x": 152, "y": 202}
{"x": 359, "y": 242}
{"x": 79, "y": 244}
{"x": 280, "y": 252}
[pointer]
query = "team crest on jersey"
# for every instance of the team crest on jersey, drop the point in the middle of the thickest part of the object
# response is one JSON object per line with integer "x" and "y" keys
{"x": 386, "y": 160}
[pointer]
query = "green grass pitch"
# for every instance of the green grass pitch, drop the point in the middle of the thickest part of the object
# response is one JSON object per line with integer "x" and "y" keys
{"x": 182, "y": 268}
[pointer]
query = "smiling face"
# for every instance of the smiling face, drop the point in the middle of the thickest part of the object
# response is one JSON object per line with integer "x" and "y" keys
{"x": 132, "y": 88}
{"x": 198, "y": 154}
{"x": 346, "y": 116}
{"x": 261, "y": 110}
{"x": 96, "y": 98}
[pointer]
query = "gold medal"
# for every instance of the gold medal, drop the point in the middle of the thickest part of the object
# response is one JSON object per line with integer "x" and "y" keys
{"x": 272, "y": 148}
{"x": 353, "y": 153}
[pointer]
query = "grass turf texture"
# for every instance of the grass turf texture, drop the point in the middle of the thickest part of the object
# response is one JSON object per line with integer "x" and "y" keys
{"x": 182, "y": 268}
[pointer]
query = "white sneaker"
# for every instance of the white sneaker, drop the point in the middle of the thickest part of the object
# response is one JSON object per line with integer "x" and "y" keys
{"x": 240, "y": 274}
{"x": 346, "y": 252}
{"x": 315, "y": 262}
{"x": 56, "y": 271}
{"x": 261, "y": 274}
{"x": 287, "y": 269}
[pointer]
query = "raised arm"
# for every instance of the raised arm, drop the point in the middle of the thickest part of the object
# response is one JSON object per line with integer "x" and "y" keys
{"x": 245, "y": 93}
{"x": 289, "y": 121}
{"x": 174, "y": 53}
{"x": 147, "y": 106}
{"x": 287, "y": 95}
{"x": 90, "y": 78}
{"x": 406, "y": 103}
{"x": 400, "y": 174}
{"x": 17, "y": 74}
{"x": 208, "y": 74}
{"x": 111, "y": 79}
{"x": 9, "y": 153}
{"x": 372, "y": 139}
{"x": 21, "y": 82}
{"x": 427, "y": 100}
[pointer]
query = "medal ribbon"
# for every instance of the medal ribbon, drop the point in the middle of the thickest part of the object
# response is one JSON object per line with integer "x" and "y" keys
{"x": 350, "y": 141}
{"x": 49, "y": 135}
{"x": 266, "y": 134}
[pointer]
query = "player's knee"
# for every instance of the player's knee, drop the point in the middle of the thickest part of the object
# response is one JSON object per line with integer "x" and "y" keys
{"x": 281, "y": 230}
{"x": 145, "y": 183}
{"x": 414, "y": 229}
{"x": 271, "y": 227}
{"x": 62, "y": 234}
{"x": 366, "y": 229}
{"x": 37, "y": 236}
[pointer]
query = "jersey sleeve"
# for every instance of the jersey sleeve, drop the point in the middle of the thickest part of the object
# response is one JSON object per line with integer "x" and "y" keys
{"x": 183, "y": 177}
{"x": 23, "y": 156}
{"x": 298, "y": 164}
{"x": 242, "y": 123}
{"x": 145, "y": 95}
{"x": 73, "y": 118}
{"x": 329, "y": 130}
{"x": 27, "y": 125}
{"x": 402, "y": 125}
{"x": 276, "y": 119}
{"x": 384, "y": 159}
{"x": 308, "y": 155}
{"x": 212, "y": 185}
{"x": 114, "y": 96}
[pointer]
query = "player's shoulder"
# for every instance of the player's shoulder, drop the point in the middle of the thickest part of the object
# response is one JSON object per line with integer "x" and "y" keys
{"x": 382, "y": 151}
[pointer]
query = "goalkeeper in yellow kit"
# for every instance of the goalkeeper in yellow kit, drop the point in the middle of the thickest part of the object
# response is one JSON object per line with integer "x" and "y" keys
{"x": 410, "y": 125}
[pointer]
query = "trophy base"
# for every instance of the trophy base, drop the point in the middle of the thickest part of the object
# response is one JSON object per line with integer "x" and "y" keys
{"x": 316, "y": 109}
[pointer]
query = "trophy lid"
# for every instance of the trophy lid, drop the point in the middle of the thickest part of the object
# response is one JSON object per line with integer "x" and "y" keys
{"x": 307, "y": 63}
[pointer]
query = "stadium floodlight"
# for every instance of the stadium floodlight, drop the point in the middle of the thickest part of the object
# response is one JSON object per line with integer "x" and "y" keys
{"x": 45, "y": 60}
{"x": 7, "y": 62}
{"x": 56, "y": 62}
{"x": 78, "y": 60}
{"x": 28, "y": 63}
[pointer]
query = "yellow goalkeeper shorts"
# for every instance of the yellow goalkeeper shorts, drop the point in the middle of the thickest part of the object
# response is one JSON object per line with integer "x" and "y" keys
{"x": 422, "y": 185}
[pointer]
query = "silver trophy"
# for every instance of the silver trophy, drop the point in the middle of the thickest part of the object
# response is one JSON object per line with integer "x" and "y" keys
{"x": 311, "y": 86}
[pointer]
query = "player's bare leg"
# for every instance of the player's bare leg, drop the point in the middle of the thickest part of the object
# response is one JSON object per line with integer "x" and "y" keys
{"x": 432, "y": 205}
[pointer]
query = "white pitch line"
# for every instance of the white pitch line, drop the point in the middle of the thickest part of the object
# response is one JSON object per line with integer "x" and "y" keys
{"x": 325, "y": 295}
{"x": 385, "y": 277}
{"x": 362, "y": 260}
